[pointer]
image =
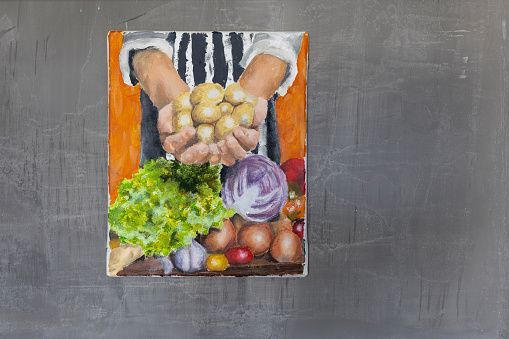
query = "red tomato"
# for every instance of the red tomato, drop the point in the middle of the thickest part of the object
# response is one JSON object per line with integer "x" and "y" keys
{"x": 298, "y": 228}
{"x": 239, "y": 255}
{"x": 295, "y": 170}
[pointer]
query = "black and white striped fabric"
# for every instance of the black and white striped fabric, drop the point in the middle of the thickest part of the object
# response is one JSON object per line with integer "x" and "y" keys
{"x": 218, "y": 57}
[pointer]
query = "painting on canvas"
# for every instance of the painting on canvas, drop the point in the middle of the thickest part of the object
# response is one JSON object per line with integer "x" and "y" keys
{"x": 207, "y": 153}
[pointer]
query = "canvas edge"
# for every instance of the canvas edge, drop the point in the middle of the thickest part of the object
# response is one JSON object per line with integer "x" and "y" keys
{"x": 108, "y": 249}
{"x": 306, "y": 237}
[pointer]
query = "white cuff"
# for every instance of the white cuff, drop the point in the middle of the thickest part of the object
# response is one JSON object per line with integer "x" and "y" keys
{"x": 278, "y": 48}
{"x": 139, "y": 44}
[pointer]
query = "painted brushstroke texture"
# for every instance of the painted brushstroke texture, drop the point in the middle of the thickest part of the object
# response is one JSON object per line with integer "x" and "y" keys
{"x": 198, "y": 50}
{"x": 124, "y": 120}
{"x": 219, "y": 60}
{"x": 237, "y": 54}
{"x": 291, "y": 111}
{"x": 125, "y": 108}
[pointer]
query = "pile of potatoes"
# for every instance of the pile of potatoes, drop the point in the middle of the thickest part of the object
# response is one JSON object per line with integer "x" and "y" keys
{"x": 213, "y": 110}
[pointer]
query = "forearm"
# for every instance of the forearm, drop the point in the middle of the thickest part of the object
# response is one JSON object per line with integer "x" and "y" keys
{"x": 157, "y": 76}
{"x": 263, "y": 75}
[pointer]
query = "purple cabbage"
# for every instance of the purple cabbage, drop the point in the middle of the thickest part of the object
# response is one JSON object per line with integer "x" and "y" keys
{"x": 255, "y": 188}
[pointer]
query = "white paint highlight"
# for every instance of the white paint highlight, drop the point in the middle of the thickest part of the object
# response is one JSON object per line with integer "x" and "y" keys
{"x": 228, "y": 56}
{"x": 178, "y": 38}
{"x": 189, "y": 64}
{"x": 214, "y": 93}
{"x": 209, "y": 65}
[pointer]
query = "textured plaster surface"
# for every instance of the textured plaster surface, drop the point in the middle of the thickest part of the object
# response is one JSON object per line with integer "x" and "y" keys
{"x": 407, "y": 195}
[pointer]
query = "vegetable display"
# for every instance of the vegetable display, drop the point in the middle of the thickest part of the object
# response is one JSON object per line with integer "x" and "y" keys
{"x": 256, "y": 188}
{"x": 175, "y": 212}
{"x": 165, "y": 205}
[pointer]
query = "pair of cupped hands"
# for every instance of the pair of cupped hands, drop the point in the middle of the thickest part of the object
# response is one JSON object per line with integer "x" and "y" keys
{"x": 184, "y": 147}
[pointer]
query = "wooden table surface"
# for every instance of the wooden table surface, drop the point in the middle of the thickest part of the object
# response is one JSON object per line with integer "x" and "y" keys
{"x": 263, "y": 266}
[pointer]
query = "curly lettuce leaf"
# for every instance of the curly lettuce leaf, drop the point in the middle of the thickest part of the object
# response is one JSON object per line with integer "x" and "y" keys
{"x": 166, "y": 204}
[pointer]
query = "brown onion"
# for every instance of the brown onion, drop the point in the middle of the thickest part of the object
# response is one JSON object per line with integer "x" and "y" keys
{"x": 256, "y": 237}
{"x": 286, "y": 247}
{"x": 219, "y": 240}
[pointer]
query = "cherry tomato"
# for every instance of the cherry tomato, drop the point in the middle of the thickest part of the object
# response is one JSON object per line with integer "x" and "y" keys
{"x": 239, "y": 255}
{"x": 298, "y": 228}
{"x": 217, "y": 262}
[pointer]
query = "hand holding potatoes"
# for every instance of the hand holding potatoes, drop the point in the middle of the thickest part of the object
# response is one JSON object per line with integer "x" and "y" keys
{"x": 178, "y": 136}
{"x": 211, "y": 105}
{"x": 225, "y": 120}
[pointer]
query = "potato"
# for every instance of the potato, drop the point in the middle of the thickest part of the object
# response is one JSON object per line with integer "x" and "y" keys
{"x": 225, "y": 108}
{"x": 235, "y": 94}
{"x": 181, "y": 120}
{"x": 207, "y": 92}
{"x": 205, "y": 133}
{"x": 182, "y": 102}
{"x": 205, "y": 113}
{"x": 251, "y": 99}
{"x": 225, "y": 126}
{"x": 244, "y": 114}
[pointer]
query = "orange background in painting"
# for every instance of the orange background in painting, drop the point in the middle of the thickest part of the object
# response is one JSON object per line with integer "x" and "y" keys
{"x": 124, "y": 121}
{"x": 125, "y": 116}
{"x": 291, "y": 111}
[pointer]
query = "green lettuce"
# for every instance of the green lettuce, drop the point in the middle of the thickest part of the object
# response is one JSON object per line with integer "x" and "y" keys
{"x": 165, "y": 205}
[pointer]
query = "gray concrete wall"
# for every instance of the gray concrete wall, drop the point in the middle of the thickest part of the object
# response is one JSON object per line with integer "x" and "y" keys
{"x": 408, "y": 165}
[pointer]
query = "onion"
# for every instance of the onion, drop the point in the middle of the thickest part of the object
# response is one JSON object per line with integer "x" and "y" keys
{"x": 286, "y": 247}
{"x": 256, "y": 188}
{"x": 219, "y": 240}
{"x": 256, "y": 237}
